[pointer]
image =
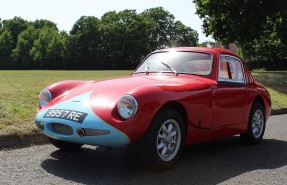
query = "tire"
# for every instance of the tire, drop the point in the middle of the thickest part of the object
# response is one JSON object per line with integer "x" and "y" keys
{"x": 63, "y": 145}
{"x": 163, "y": 143}
{"x": 256, "y": 125}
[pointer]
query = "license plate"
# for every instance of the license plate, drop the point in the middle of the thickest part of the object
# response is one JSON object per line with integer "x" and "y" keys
{"x": 70, "y": 115}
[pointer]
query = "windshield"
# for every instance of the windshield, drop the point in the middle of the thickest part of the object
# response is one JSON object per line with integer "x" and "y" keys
{"x": 177, "y": 62}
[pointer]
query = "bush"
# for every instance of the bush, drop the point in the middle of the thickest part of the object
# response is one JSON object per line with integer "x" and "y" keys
{"x": 268, "y": 65}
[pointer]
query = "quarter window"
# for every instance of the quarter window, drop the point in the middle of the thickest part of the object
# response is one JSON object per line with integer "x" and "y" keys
{"x": 230, "y": 69}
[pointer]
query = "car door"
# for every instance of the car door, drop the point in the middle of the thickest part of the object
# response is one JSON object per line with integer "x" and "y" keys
{"x": 231, "y": 91}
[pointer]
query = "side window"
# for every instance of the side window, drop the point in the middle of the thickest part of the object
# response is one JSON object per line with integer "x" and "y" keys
{"x": 230, "y": 69}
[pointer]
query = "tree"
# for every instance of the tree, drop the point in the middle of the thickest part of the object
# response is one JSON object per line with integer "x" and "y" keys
{"x": 165, "y": 32}
{"x": 48, "y": 49}
{"x": 183, "y": 36}
{"x": 237, "y": 20}
{"x": 207, "y": 43}
{"x": 84, "y": 43}
{"x": 162, "y": 24}
{"x": 6, "y": 44}
{"x": 21, "y": 54}
{"x": 125, "y": 36}
{"x": 42, "y": 23}
{"x": 258, "y": 27}
{"x": 267, "y": 51}
{"x": 15, "y": 26}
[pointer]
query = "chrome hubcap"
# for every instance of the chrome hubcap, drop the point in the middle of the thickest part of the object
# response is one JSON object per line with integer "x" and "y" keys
{"x": 168, "y": 140}
{"x": 257, "y": 123}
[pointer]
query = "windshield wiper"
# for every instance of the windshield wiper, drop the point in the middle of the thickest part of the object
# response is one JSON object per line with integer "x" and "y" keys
{"x": 146, "y": 68}
{"x": 168, "y": 66}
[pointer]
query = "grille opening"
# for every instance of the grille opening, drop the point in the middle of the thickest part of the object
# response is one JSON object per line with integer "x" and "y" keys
{"x": 62, "y": 129}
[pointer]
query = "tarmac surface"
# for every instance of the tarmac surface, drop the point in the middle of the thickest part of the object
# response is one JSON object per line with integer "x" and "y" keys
{"x": 225, "y": 161}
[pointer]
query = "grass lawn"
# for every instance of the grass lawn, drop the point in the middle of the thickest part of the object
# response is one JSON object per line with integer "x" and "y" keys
{"x": 276, "y": 83}
{"x": 19, "y": 91}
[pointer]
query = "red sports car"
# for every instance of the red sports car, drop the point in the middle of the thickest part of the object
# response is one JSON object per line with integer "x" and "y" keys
{"x": 175, "y": 97}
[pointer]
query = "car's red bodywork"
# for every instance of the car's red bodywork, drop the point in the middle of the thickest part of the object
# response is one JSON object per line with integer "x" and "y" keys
{"x": 210, "y": 110}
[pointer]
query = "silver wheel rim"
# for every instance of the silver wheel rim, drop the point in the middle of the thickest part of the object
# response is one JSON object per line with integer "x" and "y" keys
{"x": 168, "y": 140}
{"x": 257, "y": 123}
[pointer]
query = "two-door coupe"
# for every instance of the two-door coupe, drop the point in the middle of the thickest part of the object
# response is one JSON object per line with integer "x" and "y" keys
{"x": 176, "y": 97}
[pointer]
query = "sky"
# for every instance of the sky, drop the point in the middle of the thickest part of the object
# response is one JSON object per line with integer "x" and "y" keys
{"x": 66, "y": 12}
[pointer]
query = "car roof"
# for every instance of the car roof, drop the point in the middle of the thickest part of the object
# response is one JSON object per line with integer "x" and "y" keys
{"x": 213, "y": 51}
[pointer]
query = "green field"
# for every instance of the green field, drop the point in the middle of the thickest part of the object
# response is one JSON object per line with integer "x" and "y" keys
{"x": 276, "y": 83}
{"x": 19, "y": 91}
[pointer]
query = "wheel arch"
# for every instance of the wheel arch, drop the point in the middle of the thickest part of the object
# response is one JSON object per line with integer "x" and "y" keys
{"x": 259, "y": 99}
{"x": 179, "y": 108}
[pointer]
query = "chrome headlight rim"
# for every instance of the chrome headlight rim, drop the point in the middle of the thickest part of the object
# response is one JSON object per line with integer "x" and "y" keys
{"x": 42, "y": 101}
{"x": 124, "y": 111}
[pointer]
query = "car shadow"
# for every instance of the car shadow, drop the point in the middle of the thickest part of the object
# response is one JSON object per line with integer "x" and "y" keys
{"x": 207, "y": 163}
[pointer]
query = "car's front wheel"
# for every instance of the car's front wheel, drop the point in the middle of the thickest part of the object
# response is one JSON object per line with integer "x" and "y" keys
{"x": 256, "y": 125}
{"x": 164, "y": 141}
{"x": 63, "y": 145}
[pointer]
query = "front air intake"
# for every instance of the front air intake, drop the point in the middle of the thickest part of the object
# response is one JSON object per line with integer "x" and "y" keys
{"x": 62, "y": 129}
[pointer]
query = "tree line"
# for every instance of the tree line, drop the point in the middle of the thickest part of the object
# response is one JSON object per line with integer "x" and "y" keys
{"x": 118, "y": 40}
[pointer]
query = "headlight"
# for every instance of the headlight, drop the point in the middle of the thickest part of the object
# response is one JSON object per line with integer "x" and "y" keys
{"x": 127, "y": 106}
{"x": 45, "y": 97}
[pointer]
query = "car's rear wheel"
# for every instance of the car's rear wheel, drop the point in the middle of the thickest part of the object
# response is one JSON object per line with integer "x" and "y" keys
{"x": 164, "y": 141}
{"x": 256, "y": 125}
{"x": 63, "y": 145}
